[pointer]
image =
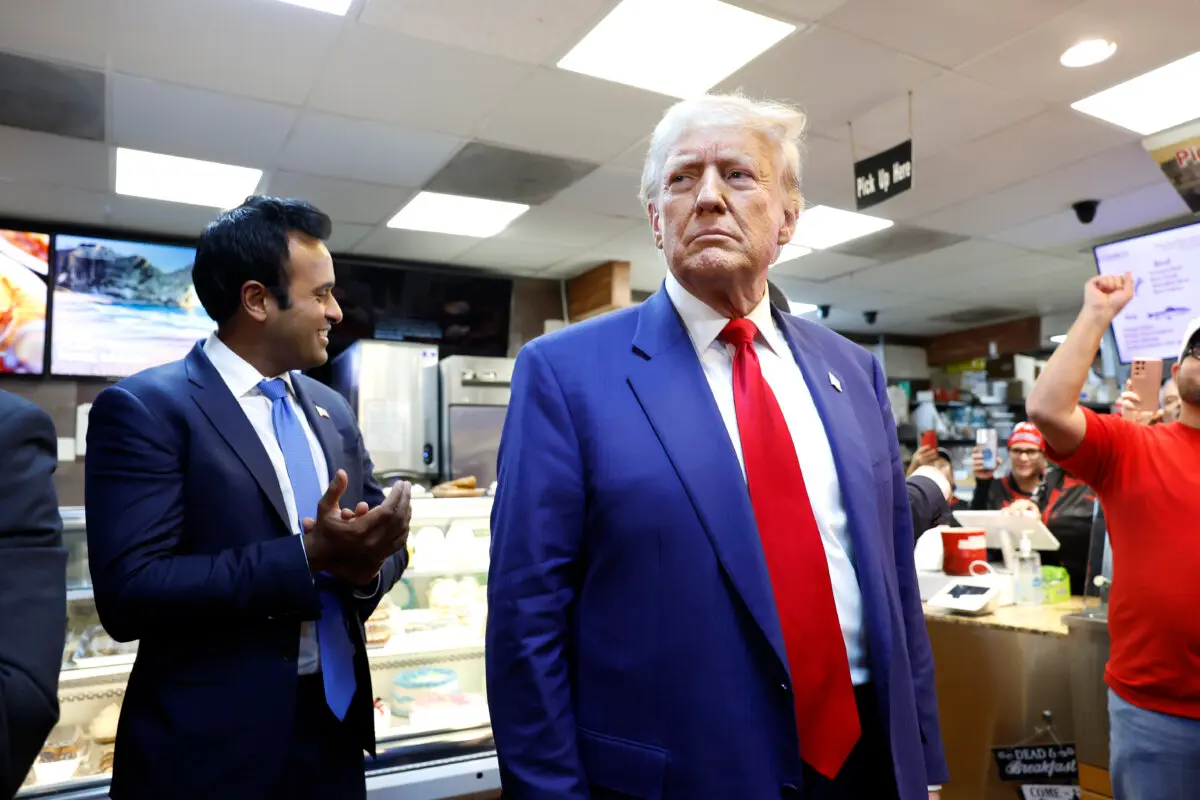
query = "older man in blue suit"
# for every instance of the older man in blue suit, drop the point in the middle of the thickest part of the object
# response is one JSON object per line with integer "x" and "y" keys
{"x": 702, "y": 578}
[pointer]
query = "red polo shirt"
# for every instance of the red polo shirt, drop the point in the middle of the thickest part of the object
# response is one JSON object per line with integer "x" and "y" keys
{"x": 1148, "y": 480}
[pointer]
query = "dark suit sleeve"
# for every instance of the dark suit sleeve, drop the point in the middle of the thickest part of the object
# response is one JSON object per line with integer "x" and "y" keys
{"x": 926, "y": 503}
{"x": 537, "y": 532}
{"x": 143, "y": 577}
{"x": 919, "y": 652}
{"x": 981, "y": 497}
{"x": 33, "y": 576}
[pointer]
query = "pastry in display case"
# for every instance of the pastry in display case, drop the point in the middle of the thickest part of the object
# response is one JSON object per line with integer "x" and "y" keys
{"x": 424, "y": 645}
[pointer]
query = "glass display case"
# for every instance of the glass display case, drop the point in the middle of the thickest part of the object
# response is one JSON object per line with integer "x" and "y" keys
{"x": 424, "y": 644}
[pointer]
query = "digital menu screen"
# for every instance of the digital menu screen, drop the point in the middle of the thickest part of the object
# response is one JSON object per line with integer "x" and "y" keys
{"x": 1166, "y": 281}
{"x": 24, "y": 282}
{"x": 122, "y": 306}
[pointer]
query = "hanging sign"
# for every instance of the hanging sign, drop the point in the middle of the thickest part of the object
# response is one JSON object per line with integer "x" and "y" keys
{"x": 1036, "y": 762}
{"x": 1177, "y": 153}
{"x": 883, "y": 176}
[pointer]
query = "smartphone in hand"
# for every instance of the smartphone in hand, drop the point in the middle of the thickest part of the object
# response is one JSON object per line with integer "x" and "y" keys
{"x": 1146, "y": 377}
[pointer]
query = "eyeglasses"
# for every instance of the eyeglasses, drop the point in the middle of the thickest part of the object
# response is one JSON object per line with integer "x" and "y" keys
{"x": 1193, "y": 351}
{"x": 1030, "y": 454}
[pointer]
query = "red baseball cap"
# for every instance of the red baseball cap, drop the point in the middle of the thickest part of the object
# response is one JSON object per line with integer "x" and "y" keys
{"x": 1025, "y": 433}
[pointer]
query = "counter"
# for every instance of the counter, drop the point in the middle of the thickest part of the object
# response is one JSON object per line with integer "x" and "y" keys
{"x": 996, "y": 677}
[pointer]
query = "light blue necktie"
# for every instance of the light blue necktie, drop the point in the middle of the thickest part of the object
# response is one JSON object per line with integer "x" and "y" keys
{"x": 337, "y": 652}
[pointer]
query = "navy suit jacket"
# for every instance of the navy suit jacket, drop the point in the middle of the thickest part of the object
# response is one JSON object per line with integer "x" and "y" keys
{"x": 33, "y": 590}
{"x": 633, "y": 644}
{"x": 192, "y": 555}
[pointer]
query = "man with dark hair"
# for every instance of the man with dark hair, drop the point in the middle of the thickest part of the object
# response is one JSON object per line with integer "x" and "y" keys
{"x": 211, "y": 542}
{"x": 33, "y": 592}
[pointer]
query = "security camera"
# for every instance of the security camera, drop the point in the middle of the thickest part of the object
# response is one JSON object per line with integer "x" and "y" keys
{"x": 1085, "y": 210}
{"x": 870, "y": 317}
{"x": 823, "y": 310}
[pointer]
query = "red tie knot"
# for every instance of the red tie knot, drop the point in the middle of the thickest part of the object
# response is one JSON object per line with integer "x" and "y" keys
{"x": 739, "y": 332}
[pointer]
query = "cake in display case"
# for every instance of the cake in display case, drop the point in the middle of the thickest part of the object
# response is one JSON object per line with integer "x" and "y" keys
{"x": 424, "y": 645}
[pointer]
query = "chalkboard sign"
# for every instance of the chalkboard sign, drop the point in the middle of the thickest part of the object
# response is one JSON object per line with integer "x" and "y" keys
{"x": 1037, "y": 762}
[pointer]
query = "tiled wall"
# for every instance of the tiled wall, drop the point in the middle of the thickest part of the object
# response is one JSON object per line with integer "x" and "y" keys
{"x": 534, "y": 301}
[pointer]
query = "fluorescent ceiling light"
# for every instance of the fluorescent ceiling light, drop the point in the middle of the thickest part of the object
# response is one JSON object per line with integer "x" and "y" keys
{"x": 1152, "y": 102}
{"x": 338, "y": 7}
{"x": 825, "y": 226}
{"x": 790, "y": 252}
{"x": 462, "y": 216}
{"x": 1087, "y": 53}
{"x": 714, "y": 40}
{"x": 183, "y": 180}
{"x": 1059, "y": 339}
{"x": 800, "y": 309}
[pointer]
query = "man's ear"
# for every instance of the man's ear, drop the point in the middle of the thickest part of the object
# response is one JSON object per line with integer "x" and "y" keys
{"x": 1175, "y": 372}
{"x": 655, "y": 223}
{"x": 791, "y": 214}
{"x": 255, "y": 300}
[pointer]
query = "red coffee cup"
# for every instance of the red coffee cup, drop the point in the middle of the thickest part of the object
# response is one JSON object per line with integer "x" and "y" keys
{"x": 960, "y": 547}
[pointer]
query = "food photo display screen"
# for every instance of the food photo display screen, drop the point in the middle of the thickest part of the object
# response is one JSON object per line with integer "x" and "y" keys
{"x": 122, "y": 306}
{"x": 24, "y": 289}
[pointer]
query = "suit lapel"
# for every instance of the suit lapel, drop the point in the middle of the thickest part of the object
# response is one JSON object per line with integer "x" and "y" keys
{"x": 835, "y": 404}
{"x": 669, "y": 383}
{"x": 222, "y": 409}
{"x": 322, "y": 426}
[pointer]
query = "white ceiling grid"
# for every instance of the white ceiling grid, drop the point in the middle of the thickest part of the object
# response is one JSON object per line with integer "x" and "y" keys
{"x": 357, "y": 114}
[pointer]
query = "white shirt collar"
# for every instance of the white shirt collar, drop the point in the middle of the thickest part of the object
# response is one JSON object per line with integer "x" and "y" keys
{"x": 704, "y": 324}
{"x": 238, "y": 374}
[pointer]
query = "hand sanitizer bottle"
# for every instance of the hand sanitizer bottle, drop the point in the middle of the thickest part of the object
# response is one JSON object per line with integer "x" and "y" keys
{"x": 1029, "y": 574}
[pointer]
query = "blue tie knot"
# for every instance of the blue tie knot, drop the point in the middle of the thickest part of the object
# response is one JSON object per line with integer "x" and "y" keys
{"x": 274, "y": 388}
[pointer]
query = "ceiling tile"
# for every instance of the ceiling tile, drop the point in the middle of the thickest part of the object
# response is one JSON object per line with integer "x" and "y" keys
{"x": 945, "y": 32}
{"x": 821, "y": 265}
{"x": 798, "y": 70}
{"x": 840, "y": 293}
{"x": 1114, "y": 171}
{"x": 29, "y": 200}
{"x": 1147, "y": 36}
{"x": 827, "y": 174}
{"x": 196, "y": 123}
{"x": 502, "y": 173}
{"x": 611, "y": 191}
{"x": 76, "y": 31}
{"x": 556, "y": 226}
{"x": 1144, "y": 206}
{"x": 928, "y": 269}
{"x": 375, "y": 73}
{"x": 346, "y": 236}
{"x": 577, "y": 116}
{"x": 269, "y": 50}
{"x": 340, "y": 147}
{"x": 415, "y": 245}
{"x": 40, "y": 95}
{"x": 156, "y": 216}
{"x": 42, "y": 158}
{"x": 507, "y": 255}
{"x": 532, "y": 31}
{"x": 793, "y": 10}
{"x": 948, "y": 111}
{"x": 343, "y": 201}
{"x": 635, "y": 156}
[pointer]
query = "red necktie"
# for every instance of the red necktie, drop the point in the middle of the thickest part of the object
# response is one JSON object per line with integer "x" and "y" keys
{"x": 826, "y": 714}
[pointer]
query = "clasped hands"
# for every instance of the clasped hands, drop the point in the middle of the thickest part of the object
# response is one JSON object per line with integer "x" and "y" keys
{"x": 353, "y": 543}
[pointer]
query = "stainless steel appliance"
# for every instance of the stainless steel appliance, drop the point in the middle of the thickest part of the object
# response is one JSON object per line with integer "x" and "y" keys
{"x": 475, "y": 395}
{"x": 393, "y": 389}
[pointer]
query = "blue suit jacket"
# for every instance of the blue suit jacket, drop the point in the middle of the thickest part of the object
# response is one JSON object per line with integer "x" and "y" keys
{"x": 633, "y": 644}
{"x": 191, "y": 553}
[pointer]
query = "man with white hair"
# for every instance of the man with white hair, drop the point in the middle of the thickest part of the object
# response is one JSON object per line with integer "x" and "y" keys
{"x": 1145, "y": 476}
{"x": 702, "y": 580}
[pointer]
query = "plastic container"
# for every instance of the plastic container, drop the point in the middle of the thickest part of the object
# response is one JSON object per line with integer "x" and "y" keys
{"x": 1028, "y": 574}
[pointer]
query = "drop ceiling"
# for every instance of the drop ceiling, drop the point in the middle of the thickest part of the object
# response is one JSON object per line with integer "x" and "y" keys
{"x": 359, "y": 113}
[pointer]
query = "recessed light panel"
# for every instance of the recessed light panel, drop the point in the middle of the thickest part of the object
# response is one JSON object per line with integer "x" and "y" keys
{"x": 461, "y": 216}
{"x": 1152, "y": 102}
{"x": 183, "y": 180}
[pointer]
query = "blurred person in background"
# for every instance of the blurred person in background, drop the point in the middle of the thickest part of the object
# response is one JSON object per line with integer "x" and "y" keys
{"x": 236, "y": 530}
{"x": 1168, "y": 400}
{"x": 931, "y": 486}
{"x": 1027, "y": 466}
{"x": 1146, "y": 479}
{"x": 33, "y": 587}
{"x": 748, "y": 530}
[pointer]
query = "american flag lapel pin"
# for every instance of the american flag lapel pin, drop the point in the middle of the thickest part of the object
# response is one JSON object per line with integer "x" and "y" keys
{"x": 834, "y": 382}
{"x": 323, "y": 413}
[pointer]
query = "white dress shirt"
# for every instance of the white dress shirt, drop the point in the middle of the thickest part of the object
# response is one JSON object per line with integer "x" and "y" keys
{"x": 242, "y": 380}
{"x": 783, "y": 375}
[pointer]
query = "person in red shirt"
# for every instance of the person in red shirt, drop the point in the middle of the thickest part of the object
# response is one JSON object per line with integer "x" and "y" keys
{"x": 1146, "y": 478}
{"x": 1025, "y": 473}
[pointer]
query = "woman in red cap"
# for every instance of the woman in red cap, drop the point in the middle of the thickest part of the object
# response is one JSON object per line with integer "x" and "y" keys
{"x": 1027, "y": 466}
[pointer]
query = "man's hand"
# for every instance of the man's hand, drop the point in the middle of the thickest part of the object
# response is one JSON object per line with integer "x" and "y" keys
{"x": 977, "y": 466}
{"x": 353, "y": 544}
{"x": 934, "y": 794}
{"x": 1131, "y": 410}
{"x": 1106, "y": 295}
{"x": 924, "y": 457}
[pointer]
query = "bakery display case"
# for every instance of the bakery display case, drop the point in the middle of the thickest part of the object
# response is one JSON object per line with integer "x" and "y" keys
{"x": 424, "y": 644}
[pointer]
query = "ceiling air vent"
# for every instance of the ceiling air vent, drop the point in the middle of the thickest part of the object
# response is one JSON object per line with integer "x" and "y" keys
{"x": 897, "y": 242}
{"x": 51, "y": 98}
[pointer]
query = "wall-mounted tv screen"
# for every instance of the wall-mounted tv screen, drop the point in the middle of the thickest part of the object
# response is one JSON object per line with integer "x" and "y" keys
{"x": 122, "y": 306}
{"x": 24, "y": 289}
{"x": 1166, "y": 279}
